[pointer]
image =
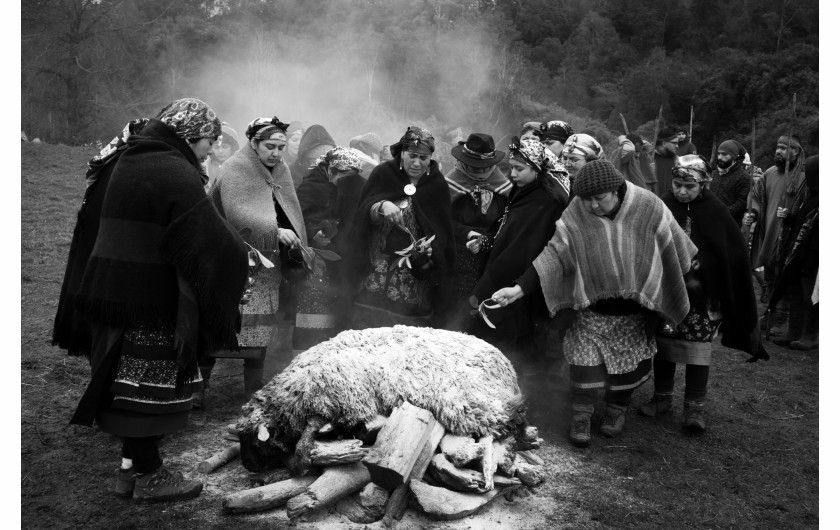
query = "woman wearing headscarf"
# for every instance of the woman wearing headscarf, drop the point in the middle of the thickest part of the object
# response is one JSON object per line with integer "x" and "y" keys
{"x": 223, "y": 149}
{"x": 530, "y": 129}
{"x": 256, "y": 195}
{"x": 404, "y": 259}
{"x": 313, "y": 144}
{"x": 329, "y": 195}
{"x": 479, "y": 195}
{"x": 577, "y": 151}
{"x": 615, "y": 267}
{"x": 553, "y": 135}
{"x": 294, "y": 134}
{"x": 539, "y": 197}
{"x": 723, "y": 299}
{"x": 162, "y": 284}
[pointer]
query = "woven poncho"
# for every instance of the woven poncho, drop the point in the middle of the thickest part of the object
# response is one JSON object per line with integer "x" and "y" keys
{"x": 640, "y": 255}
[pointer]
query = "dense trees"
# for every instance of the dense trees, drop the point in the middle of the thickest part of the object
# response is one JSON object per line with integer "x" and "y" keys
{"x": 88, "y": 66}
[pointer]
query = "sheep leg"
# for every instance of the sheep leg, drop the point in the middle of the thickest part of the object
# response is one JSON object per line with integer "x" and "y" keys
{"x": 488, "y": 463}
{"x": 301, "y": 461}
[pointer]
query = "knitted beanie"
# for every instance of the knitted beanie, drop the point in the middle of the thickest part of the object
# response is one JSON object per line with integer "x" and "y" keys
{"x": 368, "y": 143}
{"x": 732, "y": 148}
{"x": 596, "y": 177}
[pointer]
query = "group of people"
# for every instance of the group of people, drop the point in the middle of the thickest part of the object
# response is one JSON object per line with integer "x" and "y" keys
{"x": 190, "y": 243}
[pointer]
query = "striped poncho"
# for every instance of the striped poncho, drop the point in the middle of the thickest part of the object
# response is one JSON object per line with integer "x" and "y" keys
{"x": 640, "y": 255}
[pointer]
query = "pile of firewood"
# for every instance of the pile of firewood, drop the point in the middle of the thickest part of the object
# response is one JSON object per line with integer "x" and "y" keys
{"x": 407, "y": 458}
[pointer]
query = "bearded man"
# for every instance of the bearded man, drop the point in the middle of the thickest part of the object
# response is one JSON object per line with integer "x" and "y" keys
{"x": 731, "y": 182}
{"x": 769, "y": 202}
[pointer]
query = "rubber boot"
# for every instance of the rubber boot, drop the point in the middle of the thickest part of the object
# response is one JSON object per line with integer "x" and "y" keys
{"x": 810, "y": 331}
{"x": 198, "y": 397}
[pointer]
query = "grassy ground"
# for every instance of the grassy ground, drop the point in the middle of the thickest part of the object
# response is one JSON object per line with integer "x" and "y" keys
{"x": 756, "y": 467}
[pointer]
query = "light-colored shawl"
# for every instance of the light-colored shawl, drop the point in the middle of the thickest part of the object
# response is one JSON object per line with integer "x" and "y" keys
{"x": 641, "y": 255}
{"x": 245, "y": 188}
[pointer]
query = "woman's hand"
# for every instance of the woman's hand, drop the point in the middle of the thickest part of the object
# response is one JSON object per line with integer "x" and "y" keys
{"x": 781, "y": 213}
{"x": 288, "y": 237}
{"x": 320, "y": 240}
{"x": 391, "y": 212}
{"x": 508, "y": 295}
{"x": 473, "y": 241}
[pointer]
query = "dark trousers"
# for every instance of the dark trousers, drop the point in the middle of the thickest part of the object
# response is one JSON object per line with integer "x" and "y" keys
{"x": 143, "y": 452}
{"x": 696, "y": 379}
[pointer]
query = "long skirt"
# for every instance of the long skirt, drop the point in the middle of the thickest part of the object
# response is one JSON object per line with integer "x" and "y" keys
{"x": 391, "y": 296}
{"x": 690, "y": 342}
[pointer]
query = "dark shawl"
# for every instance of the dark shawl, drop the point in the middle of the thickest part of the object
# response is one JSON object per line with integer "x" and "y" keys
{"x": 164, "y": 256}
{"x": 313, "y": 137}
{"x": 528, "y": 225}
{"x": 434, "y": 216}
{"x": 663, "y": 164}
{"x": 724, "y": 265}
{"x": 323, "y": 203}
{"x": 464, "y": 192}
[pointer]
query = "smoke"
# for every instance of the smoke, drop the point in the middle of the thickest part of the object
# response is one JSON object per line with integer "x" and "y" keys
{"x": 357, "y": 77}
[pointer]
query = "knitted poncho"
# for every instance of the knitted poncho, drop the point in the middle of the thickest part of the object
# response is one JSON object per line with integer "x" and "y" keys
{"x": 640, "y": 255}
{"x": 244, "y": 194}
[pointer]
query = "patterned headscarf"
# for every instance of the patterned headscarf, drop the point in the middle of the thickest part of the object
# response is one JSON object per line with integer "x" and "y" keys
{"x": 266, "y": 129}
{"x": 541, "y": 159}
{"x": 109, "y": 151}
{"x": 555, "y": 130}
{"x": 420, "y": 139}
{"x": 585, "y": 145}
{"x": 340, "y": 159}
{"x": 191, "y": 118}
{"x": 692, "y": 168}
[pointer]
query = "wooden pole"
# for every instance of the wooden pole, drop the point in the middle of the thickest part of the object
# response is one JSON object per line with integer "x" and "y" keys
{"x": 690, "y": 124}
{"x": 656, "y": 126}
{"x": 624, "y": 122}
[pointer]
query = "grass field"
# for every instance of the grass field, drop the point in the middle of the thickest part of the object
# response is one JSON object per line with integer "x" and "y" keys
{"x": 756, "y": 467}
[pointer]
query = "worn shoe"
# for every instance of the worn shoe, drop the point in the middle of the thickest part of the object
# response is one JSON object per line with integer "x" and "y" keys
{"x": 613, "y": 421}
{"x": 124, "y": 488}
{"x": 804, "y": 344}
{"x": 161, "y": 485}
{"x": 659, "y": 405}
{"x": 695, "y": 418}
{"x": 579, "y": 429}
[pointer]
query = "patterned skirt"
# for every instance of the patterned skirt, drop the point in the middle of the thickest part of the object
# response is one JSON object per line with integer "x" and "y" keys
{"x": 260, "y": 315}
{"x": 391, "y": 296}
{"x": 315, "y": 320}
{"x": 690, "y": 342}
{"x": 616, "y": 341}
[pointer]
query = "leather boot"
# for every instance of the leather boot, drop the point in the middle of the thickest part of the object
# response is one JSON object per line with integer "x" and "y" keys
{"x": 780, "y": 322}
{"x": 810, "y": 338}
{"x": 198, "y": 396}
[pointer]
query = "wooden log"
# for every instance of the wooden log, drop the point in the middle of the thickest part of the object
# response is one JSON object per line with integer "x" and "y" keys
{"x": 532, "y": 458}
{"x": 266, "y": 497}
{"x": 460, "y": 450}
{"x": 444, "y": 504}
{"x": 336, "y": 452}
{"x": 399, "y": 444}
{"x": 218, "y": 460}
{"x": 335, "y": 483}
{"x": 455, "y": 478}
{"x": 488, "y": 463}
{"x": 398, "y": 502}
{"x": 369, "y": 431}
{"x": 529, "y": 439}
{"x": 529, "y": 474}
{"x": 504, "y": 454}
{"x": 365, "y": 506}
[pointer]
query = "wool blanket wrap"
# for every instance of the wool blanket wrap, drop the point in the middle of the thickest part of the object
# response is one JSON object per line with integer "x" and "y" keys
{"x": 431, "y": 209}
{"x": 642, "y": 255}
{"x": 163, "y": 256}
{"x": 245, "y": 193}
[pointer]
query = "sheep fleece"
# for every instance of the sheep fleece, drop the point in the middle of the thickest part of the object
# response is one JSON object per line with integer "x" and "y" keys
{"x": 349, "y": 379}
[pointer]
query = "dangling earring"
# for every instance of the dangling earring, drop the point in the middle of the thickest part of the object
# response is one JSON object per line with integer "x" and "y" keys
{"x": 400, "y": 164}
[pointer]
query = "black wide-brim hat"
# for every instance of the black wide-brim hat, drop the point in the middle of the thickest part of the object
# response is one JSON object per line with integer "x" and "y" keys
{"x": 478, "y": 151}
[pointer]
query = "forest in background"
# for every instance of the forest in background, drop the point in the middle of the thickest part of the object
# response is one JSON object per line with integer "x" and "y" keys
{"x": 356, "y": 66}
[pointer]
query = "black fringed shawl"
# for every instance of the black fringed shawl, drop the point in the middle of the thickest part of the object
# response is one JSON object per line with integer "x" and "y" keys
{"x": 434, "y": 216}
{"x": 724, "y": 264}
{"x": 164, "y": 256}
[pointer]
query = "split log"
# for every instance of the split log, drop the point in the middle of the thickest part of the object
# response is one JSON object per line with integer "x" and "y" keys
{"x": 266, "y": 497}
{"x": 366, "y": 506}
{"x": 335, "y": 483}
{"x": 501, "y": 481}
{"x": 300, "y": 463}
{"x": 504, "y": 454}
{"x": 369, "y": 431}
{"x": 397, "y": 504}
{"x": 529, "y": 474}
{"x": 445, "y": 504}
{"x": 529, "y": 439}
{"x": 399, "y": 444}
{"x": 218, "y": 460}
{"x": 488, "y": 463}
{"x": 336, "y": 452}
{"x": 460, "y": 450}
{"x": 532, "y": 458}
{"x": 458, "y": 479}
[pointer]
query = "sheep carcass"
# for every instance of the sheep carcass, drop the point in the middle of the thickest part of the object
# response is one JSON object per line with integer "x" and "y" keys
{"x": 469, "y": 386}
